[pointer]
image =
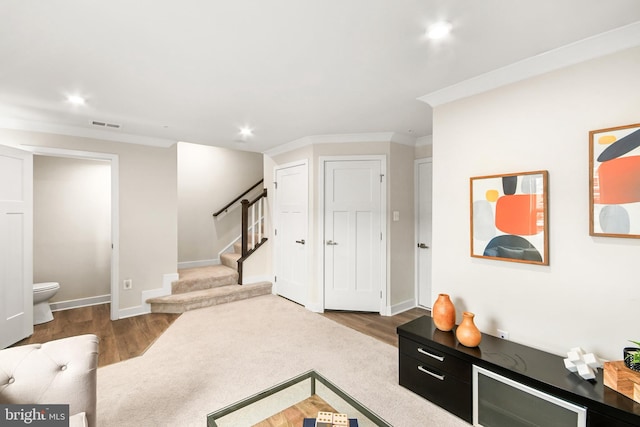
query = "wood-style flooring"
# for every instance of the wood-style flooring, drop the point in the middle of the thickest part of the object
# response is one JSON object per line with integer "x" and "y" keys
{"x": 380, "y": 327}
{"x": 295, "y": 414}
{"x": 127, "y": 338}
{"x": 119, "y": 339}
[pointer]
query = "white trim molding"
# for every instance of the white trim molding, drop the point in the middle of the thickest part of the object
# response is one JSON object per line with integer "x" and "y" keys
{"x": 402, "y": 307}
{"x": 80, "y": 302}
{"x": 199, "y": 263}
{"x": 258, "y": 279}
{"x": 167, "y": 280}
{"x": 347, "y": 138}
{"x": 424, "y": 141}
{"x": 593, "y": 47}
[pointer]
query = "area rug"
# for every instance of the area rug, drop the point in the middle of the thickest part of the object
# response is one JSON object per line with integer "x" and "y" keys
{"x": 212, "y": 357}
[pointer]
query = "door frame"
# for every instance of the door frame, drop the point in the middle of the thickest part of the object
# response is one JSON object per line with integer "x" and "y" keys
{"x": 115, "y": 208}
{"x": 416, "y": 202}
{"x": 276, "y": 220}
{"x": 385, "y": 308}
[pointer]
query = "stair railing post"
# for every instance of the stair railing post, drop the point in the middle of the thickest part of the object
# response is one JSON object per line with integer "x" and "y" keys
{"x": 260, "y": 219}
{"x": 244, "y": 240}
{"x": 253, "y": 225}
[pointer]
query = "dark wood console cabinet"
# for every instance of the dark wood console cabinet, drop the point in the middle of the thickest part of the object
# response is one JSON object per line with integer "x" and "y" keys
{"x": 434, "y": 365}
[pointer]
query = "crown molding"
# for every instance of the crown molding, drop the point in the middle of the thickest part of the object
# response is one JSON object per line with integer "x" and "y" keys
{"x": 33, "y": 126}
{"x": 346, "y": 138}
{"x": 602, "y": 44}
{"x": 424, "y": 140}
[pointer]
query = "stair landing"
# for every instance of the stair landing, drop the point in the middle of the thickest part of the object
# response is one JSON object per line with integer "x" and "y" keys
{"x": 206, "y": 286}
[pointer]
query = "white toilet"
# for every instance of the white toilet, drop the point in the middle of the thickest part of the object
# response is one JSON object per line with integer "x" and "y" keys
{"x": 42, "y": 293}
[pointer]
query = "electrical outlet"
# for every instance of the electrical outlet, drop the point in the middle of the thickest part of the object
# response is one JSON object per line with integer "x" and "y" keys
{"x": 503, "y": 334}
{"x": 127, "y": 284}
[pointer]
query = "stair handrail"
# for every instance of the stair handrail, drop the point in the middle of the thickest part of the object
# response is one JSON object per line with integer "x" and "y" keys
{"x": 244, "y": 240}
{"x": 228, "y": 205}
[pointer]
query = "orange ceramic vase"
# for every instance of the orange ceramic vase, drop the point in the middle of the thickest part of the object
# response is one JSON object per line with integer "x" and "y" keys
{"x": 443, "y": 313}
{"x": 467, "y": 332}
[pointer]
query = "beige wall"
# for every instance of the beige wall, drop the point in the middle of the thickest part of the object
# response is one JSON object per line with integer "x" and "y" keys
{"x": 400, "y": 274}
{"x": 148, "y": 206}
{"x": 588, "y": 296}
{"x": 424, "y": 150}
{"x": 72, "y": 226}
{"x": 208, "y": 179}
{"x": 402, "y": 232}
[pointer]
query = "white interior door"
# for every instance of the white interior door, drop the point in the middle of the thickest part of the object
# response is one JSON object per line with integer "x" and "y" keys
{"x": 16, "y": 245}
{"x": 353, "y": 235}
{"x": 292, "y": 202}
{"x": 423, "y": 247}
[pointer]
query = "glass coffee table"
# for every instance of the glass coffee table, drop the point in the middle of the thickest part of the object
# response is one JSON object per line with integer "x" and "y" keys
{"x": 289, "y": 403}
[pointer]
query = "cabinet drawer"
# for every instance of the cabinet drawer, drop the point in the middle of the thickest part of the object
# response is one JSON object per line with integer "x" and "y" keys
{"x": 440, "y": 388}
{"x": 595, "y": 419}
{"x": 433, "y": 358}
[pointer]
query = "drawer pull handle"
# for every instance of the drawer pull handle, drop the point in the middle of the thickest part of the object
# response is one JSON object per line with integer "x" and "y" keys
{"x": 440, "y": 377}
{"x": 438, "y": 358}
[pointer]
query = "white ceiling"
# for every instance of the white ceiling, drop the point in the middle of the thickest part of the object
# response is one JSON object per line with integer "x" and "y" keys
{"x": 197, "y": 70}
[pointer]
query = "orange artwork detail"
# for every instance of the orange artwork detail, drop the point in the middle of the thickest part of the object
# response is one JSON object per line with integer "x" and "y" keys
{"x": 619, "y": 181}
{"x": 519, "y": 214}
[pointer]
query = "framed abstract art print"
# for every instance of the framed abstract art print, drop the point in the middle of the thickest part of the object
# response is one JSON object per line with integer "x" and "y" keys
{"x": 509, "y": 217}
{"x": 614, "y": 182}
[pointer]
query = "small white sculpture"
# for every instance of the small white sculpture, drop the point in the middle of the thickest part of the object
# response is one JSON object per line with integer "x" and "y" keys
{"x": 583, "y": 363}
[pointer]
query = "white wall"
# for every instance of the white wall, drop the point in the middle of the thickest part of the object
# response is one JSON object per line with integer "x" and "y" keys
{"x": 72, "y": 226}
{"x": 589, "y": 294}
{"x": 208, "y": 179}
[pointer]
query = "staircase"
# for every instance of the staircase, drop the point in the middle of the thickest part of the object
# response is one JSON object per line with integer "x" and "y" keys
{"x": 206, "y": 286}
{"x": 218, "y": 284}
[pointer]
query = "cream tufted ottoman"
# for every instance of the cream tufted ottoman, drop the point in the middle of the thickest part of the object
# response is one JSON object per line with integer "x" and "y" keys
{"x": 57, "y": 372}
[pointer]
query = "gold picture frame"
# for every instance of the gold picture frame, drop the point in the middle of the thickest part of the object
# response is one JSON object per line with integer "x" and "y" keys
{"x": 509, "y": 217}
{"x": 614, "y": 182}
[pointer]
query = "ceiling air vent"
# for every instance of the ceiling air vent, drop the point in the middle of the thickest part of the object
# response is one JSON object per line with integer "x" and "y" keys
{"x": 103, "y": 124}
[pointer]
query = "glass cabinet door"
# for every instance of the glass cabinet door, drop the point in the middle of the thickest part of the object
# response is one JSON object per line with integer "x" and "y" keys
{"x": 502, "y": 402}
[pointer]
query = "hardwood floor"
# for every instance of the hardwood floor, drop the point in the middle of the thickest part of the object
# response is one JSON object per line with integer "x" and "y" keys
{"x": 126, "y": 338}
{"x": 119, "y": 340}
{"x": 375, "y": 325}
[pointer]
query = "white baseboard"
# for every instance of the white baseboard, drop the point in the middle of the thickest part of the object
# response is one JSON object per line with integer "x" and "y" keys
{"x": 80, "y": 302}
{"x": 256, "y": 279}
{"x": 145, "y": 308}
{"x": 200, "y": 263}
{"x": 167, "y": 279}
{"x": 131, "y": 312}
{"x": 402, "y": 307}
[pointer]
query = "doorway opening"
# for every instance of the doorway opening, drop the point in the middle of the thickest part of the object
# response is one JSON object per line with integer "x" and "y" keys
{"x": 83, "y": 225}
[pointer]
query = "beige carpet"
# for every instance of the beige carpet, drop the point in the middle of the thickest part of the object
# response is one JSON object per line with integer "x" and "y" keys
{"x": 212, "y": 357}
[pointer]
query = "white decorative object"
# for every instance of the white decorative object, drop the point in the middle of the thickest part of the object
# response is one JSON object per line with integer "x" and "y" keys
{"x": 585, "y": 364}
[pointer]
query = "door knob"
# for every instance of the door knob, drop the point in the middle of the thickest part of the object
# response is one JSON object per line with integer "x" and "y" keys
{"x": 423, "y": 246}
{"x": 300, "y": 241}
{"x": 331, "y": 243}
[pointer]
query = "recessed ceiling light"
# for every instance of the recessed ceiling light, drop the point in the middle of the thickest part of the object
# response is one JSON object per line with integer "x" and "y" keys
{"x": 438, "y": 30}
{"x": 76, "y": 100}
{"x": 246, "y": 132}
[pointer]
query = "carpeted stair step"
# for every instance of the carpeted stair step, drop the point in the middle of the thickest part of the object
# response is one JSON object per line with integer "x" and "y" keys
{"x": 199, "y": 278}
{"x": 230, "y": 260}
{"x": 179, "y": 303}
